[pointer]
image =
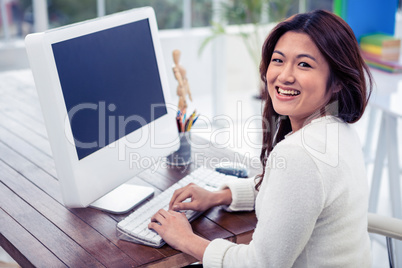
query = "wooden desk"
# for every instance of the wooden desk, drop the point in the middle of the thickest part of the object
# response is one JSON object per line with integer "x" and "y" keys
{"x": 37, "y": 230}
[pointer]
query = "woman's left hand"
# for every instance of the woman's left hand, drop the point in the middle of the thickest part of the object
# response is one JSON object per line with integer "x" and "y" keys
{"x": 173, "y": 227}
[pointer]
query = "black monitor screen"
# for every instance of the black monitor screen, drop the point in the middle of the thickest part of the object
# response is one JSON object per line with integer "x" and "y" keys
{"x": 111, "y": 84}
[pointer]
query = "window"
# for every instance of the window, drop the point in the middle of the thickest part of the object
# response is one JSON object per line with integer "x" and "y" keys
{"x": 17, "y": 16}
{"x": 16, "y": 19}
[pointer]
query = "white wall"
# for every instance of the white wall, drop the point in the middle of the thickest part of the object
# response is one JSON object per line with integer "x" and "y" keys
{"x": 223, "y": 68}
{"x": 199, "y": 68}
{"x": 13, "y": 55}
{"x": 239, "y": 69}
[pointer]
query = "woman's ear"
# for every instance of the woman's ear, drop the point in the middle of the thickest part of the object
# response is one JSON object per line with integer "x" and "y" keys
{"x": 337, "y": 87}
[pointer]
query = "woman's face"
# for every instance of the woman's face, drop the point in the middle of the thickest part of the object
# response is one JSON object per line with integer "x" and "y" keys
{"x": 297, "y": 78}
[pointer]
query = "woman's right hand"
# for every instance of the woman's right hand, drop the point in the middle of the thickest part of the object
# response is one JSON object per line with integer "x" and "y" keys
{"x": 201, "y": 199}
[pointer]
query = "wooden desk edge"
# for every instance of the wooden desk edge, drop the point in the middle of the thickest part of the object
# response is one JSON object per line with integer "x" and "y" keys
{"x": 182, "y": 259}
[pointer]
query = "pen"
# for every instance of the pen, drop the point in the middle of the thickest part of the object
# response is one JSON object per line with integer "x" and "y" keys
{"x": 195, "y": 119}
{"x": 184, "y": 123}
{"x": 191, "y": 121}
{"x": 178, "y": 123}
{"x": 179, "y": 120}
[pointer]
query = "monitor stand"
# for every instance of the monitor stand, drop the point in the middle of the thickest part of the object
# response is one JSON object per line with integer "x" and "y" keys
{"x": 123, "y": 198}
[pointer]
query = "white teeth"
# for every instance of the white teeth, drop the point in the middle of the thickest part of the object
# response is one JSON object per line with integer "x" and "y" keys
{"x": 292, "y": 92}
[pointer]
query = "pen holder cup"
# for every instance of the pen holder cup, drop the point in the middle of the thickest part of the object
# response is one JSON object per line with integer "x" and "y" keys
{"x": 181, "y": 157}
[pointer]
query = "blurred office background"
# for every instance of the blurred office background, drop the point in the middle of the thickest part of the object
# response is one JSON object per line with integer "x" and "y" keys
{"x": 184, "y": 25}
{"x": 223, "y": 76}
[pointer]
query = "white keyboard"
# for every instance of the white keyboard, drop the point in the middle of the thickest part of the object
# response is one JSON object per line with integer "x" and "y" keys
{"x": 134, "y": 227}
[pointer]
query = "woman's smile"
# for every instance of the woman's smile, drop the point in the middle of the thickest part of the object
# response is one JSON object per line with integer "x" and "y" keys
{"x": 287, "y": 93}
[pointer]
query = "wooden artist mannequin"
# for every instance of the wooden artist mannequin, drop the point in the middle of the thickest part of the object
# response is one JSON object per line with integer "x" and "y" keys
{"x": 183, "y": 87}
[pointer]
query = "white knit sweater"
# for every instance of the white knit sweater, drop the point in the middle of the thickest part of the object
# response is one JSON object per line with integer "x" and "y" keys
{"x": 311, "y": 207}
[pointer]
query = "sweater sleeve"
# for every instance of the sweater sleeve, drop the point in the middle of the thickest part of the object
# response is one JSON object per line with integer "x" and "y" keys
{"x": 291, "y": 202}
{"x": 243, "y": 195}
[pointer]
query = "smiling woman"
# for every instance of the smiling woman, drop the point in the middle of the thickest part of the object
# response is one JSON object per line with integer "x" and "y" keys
{"x": 334, "y": 59}
{"x": 297, "y": 77}
{"x": 312, "y": 211}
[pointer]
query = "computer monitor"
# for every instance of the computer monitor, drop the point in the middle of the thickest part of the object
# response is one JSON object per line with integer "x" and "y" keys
{"x": 104, "y": 94}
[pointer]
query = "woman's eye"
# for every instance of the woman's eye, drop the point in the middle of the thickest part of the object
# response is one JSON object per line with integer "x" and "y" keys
{"x": 277, "y": 60}
{"x": 304, "y": 64}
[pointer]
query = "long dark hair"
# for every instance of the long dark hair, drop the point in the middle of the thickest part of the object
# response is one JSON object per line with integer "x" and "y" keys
{"x": 337, "y": 43}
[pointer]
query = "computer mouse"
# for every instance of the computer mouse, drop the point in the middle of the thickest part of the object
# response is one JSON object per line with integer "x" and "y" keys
{"x": 232, "y": 168}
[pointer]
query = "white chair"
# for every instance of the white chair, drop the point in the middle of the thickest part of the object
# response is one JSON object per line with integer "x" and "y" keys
{"x": 388, "y": 227}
